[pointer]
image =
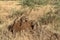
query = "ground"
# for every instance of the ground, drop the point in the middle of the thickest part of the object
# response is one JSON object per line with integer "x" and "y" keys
{"x": 11, "y": 10}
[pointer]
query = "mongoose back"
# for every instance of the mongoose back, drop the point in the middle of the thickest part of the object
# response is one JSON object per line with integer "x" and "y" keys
{"x": 21, "y": 25}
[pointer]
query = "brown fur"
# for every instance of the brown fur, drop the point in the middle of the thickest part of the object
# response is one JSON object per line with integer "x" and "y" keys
{"x": 20, "y": 25}
{"x": 24, "y": 26}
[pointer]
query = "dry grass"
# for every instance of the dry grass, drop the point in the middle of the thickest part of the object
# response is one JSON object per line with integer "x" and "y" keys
{"x": 47, "y": 18}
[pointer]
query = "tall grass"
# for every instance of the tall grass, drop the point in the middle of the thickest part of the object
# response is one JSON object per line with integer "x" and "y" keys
{"x": 40, "y": 2}
{"x": 33, "y": 2}
{"x": 52, "y": 18}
